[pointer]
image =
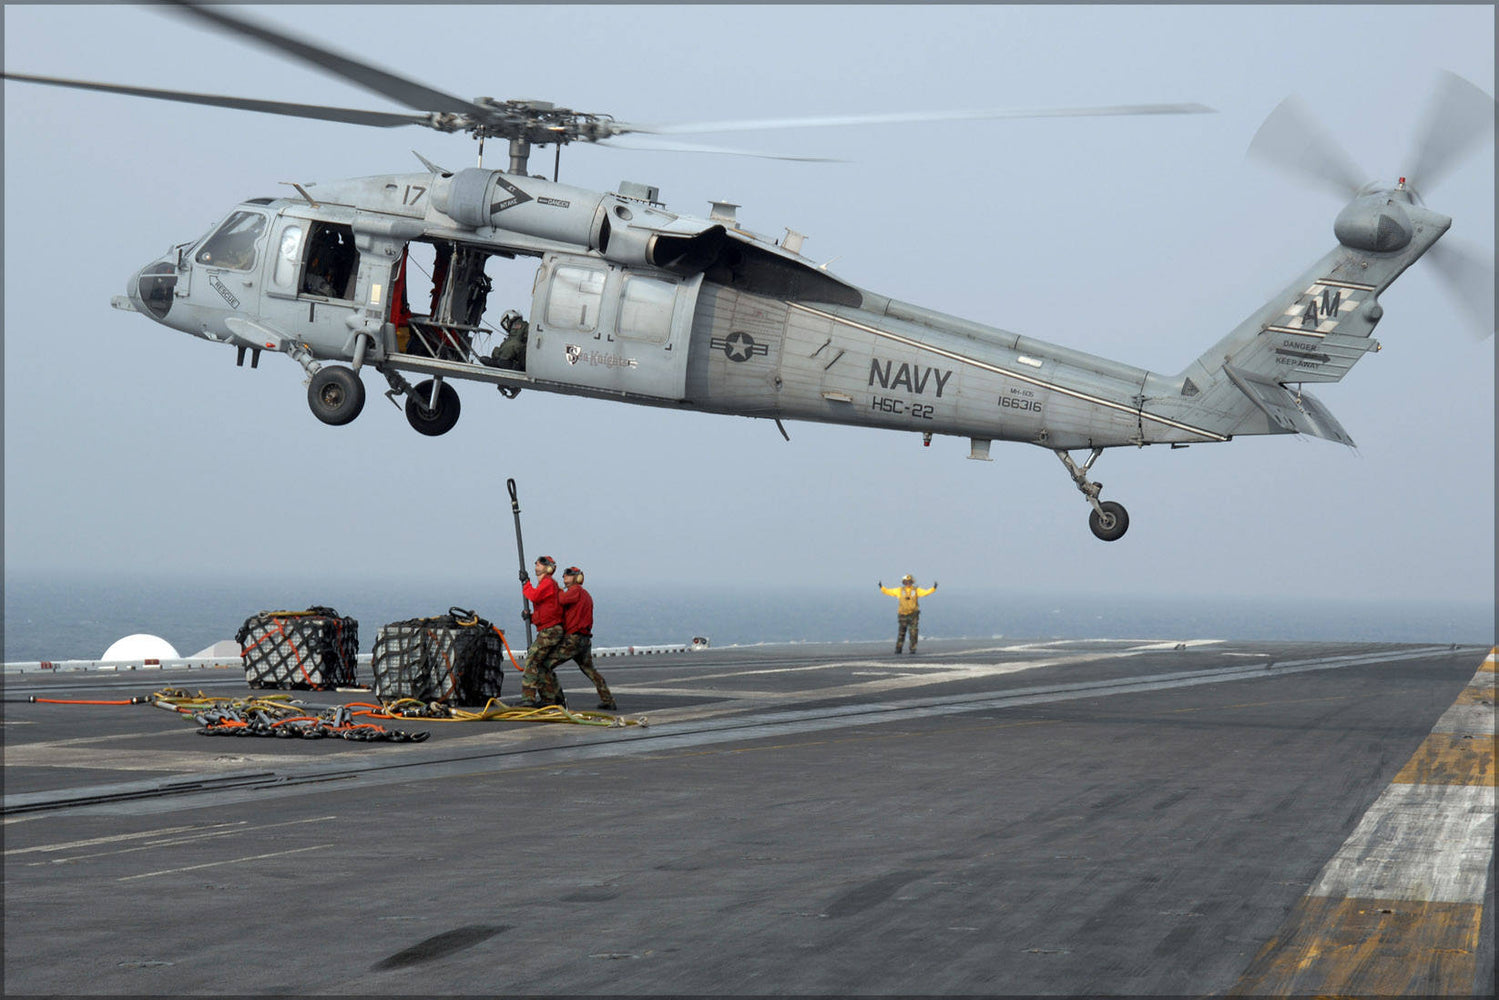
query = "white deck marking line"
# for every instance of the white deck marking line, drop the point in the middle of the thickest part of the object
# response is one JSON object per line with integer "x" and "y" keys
{"x": 1160, "y": 646}
{"x": 792, "y": 721}
{"x": 168, "y": 834}
{"x": 237, "y": 828}
{"x": 1427, "y": 843}
{"x": 229, "y": 861}
{"x": 165, "y": 831}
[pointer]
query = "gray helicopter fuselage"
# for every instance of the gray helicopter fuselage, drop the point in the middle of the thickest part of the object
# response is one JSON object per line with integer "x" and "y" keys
{"x": 633, "y": 303}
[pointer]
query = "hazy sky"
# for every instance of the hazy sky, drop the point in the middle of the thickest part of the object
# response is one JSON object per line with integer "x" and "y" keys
{"x": 1143, "y": 239}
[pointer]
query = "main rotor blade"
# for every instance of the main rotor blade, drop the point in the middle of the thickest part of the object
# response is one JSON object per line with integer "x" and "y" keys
{"x": 1468, "y": 274}
{"x": 379, "y": 119}
{"x": 397, "y": 88}
{"x": 645, "y": 142}
{"x": 1292, "y": 139}
{"x": 909, "y": 117}
{"x": 1459, "y": 119}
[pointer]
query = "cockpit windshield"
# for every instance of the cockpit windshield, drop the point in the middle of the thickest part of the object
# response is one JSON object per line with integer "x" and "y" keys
{"x": 232, "y": 245}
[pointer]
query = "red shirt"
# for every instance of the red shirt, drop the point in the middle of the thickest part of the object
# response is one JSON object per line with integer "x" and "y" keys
{"x": 577, "y": 610}
{"x": 545, "y": 609}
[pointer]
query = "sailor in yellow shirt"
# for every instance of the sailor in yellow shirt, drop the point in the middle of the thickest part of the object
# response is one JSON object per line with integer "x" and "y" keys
{"x": 907, "y": 612}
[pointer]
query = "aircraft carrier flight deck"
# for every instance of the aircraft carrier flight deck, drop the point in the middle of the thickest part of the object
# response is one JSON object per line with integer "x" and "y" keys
{"x": 992, "y": 817}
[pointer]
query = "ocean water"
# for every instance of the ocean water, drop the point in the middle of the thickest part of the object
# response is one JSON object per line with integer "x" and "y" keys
{"x": 70, "y": 617}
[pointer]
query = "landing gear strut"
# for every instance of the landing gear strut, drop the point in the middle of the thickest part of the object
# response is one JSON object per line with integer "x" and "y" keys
{"x": 1109, "y": 520}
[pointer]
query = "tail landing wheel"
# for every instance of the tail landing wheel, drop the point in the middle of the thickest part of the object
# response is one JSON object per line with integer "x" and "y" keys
{"x": 1109, "y": 520}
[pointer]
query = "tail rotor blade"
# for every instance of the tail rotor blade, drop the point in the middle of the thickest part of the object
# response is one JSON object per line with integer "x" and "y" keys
{"x": 1459, "y": 119}
{"x": 1292, "y": 139}
{"x": 1468, "y": 274}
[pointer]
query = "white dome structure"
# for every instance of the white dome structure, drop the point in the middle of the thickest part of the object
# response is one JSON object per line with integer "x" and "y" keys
{"x": 141, "y": 647}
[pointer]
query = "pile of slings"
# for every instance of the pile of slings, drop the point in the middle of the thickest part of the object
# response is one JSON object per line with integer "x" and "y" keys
{"x": 279, "y": 715}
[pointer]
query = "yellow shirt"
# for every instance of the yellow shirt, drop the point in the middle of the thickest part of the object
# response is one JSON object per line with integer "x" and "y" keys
{"x": 907, "y": 597}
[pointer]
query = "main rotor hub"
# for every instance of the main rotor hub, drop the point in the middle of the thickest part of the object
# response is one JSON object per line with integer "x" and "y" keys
{"x": 540, "y": 123}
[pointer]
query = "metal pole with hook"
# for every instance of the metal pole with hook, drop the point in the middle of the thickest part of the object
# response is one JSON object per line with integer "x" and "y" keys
{"x": 520, "y": 553}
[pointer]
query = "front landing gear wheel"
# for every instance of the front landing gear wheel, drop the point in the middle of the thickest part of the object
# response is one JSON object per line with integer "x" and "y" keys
{"x": 336, "y": 395}
{"x": 430, "y": 421}
{"x": 1110, "y": 521}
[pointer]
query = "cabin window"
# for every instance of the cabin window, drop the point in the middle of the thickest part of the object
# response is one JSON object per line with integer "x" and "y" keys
{"x": 285, "y": 274}
{"x": 576, "y": 297}
{"x": 232, "y": 245}
{"x": 645, "y": 309}
{"x": 332, "y": 262}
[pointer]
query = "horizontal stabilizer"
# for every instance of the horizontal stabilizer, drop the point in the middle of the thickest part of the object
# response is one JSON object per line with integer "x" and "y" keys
{"x": 1291, "y": 412}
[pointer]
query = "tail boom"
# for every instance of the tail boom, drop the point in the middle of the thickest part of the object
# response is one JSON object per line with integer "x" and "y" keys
{"x": 1315, "y": 330}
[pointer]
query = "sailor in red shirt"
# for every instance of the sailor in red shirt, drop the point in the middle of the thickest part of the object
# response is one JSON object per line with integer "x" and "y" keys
{"x": 577, "y": 643}
{"x": 538, "y": 684}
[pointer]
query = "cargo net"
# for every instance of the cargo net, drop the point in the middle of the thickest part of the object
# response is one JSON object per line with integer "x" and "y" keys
{"x": 455, "y": 659}
{"x": 304, "y": 650}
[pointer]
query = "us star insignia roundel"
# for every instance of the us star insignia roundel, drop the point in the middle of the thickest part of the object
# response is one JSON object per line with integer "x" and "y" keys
{"x": 739, "y": 346}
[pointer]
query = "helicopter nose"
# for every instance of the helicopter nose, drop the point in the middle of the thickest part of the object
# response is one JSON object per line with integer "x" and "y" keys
{"x": 151, "y": 290}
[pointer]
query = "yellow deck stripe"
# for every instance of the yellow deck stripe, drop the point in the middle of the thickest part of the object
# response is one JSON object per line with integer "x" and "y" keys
{"x": 1447, "y": 759}
{"x": 1369, "y": 947}
{"x": 1477, "y": 694}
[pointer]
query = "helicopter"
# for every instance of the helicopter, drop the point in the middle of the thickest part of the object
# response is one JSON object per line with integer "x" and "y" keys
{"x": 636, "y": 303}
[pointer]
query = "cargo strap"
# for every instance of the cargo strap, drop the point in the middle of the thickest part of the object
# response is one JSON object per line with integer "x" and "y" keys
{"x": 494, "y": 711}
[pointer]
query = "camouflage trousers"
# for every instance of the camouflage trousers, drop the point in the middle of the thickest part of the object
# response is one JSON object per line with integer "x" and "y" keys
{"x": 578, "y": 647}
{"x": 904, "y": 622}
{"x": 539, "y": 682}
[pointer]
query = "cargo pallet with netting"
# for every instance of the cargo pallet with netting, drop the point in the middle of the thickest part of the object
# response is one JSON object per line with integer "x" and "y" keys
{"x": 314, "y": 649}
{"x": 457, "y": 658}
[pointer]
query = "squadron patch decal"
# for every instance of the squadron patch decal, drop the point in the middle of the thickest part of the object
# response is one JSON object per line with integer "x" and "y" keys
{"x": 576, "y": 355}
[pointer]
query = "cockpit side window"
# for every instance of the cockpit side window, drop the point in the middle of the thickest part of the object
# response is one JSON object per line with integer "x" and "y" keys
{"x": 232, "y": 245}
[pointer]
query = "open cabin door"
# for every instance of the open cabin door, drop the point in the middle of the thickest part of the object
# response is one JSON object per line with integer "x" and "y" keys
{"x": 598, "y": 325}
{"x": 313, "y": 284}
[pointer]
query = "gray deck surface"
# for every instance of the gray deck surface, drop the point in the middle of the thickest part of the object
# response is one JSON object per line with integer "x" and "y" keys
{"x": 989, "y": 817}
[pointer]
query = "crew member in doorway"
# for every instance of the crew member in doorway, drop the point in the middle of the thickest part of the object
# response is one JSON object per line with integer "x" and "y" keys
{"x": 908, "y": 610}
{"x": 511, "y": 353}
{"x": 577, "y": 641}
{"x": 538, "y": 684}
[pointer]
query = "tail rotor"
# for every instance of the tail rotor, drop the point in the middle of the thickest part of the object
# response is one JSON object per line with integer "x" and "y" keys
{"x": 1458, "y": 121}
